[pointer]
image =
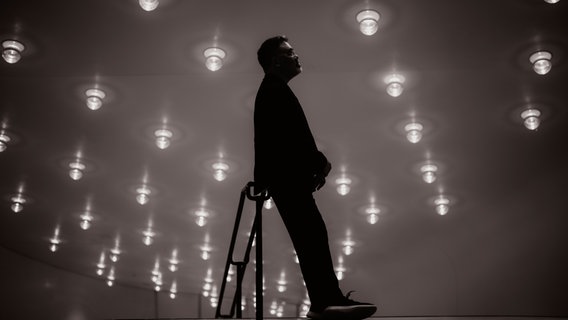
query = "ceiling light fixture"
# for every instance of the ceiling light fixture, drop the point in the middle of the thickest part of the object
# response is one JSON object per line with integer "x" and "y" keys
{"x": 268, "y": 204}
{"x": 207, "y": 286}
{"x": 372, "y": 213}
{"x": 173, "y": 290}
{"x": 551, "y": 1}
{"x": 348, "y": 246}
{"x": 101, "y": 264}
{"x": 368, "y": 21}
{"x": 143, "y": 194}
{"x": 163, "y": 138}
{"x": 429, "y": 172}
{"x": 394, "y": 84}
{"x": 343, "y": 185}
{"x": 205, "y": 252}
{"x": 202, "y": 216}
{"x": 214, "y": 58}
{"x": 541, "y": 62}
{"x": 86, "y": 219}
{"x": 95, "y": 98}
{"x": 230, "y": 274}
{"x": 76, "y": 169}
{"x": 12, "y": 51}
{"x": 55, "y": 241}
{"x": 442, "y": 205}
{"x": 157, "y": 276}
{"x": 213, "y": 299}
{"x": 174, "y": 261}
{"x": 149, "y": 235}
{"x": 281, "y": 283}
{"x": 413, "y": 132}
{"x": 4, "y": 139}
{"x": 220, "y": 170}
{"x": 18, "y": 202}
{"x": 340, "y": 269}
{"x": 115, "y": 252}
{"x": 531, "y": 118}
{"x": 149, "y": 5}
{"x": 110, "y": 277}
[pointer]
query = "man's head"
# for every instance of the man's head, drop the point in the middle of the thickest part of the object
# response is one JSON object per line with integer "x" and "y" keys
{"x": 276, "y": 56}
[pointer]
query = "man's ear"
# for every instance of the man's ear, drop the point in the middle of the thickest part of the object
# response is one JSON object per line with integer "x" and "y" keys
{"x": 275, "y": 62}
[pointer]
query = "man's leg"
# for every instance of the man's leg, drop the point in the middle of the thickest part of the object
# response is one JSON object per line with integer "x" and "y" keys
{"x": 309, "y": 237}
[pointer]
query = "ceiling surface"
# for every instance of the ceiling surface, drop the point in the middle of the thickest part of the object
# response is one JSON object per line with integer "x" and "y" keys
{"x": 467, "y": 80}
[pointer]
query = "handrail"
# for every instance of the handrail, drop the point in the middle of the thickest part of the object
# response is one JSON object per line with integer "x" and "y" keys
{"x": 236, "y": 306}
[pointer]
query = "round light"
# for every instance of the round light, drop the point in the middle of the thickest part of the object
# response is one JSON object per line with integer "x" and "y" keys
{"x": 394, "y": 85}
{"x": 531, "y": 118}
{"x": 541, "y": 62}
{"x": 372, "y": 210}
{"x": 142, "y": 195}
{"x": 149, "y": 5}
{"x": 214, "y": 58}
{"x": 373, "y": 218}
{"x": 429, "y": 172}
{"x": 76, "y": 171}
{"x": 163, "y": 138}
{"x": 413, "y": 132}
{"x": 551, "y": 1}
{"x": 202, "y": 216}
{"x": 4, "y": 139}
{"x": 220, "y": 170}
{"x": 343, "y": 189}
{"x": 85, "y": 224}
{"x": 343, "y": 185}
{"x": 368, "y": 21}
{"x": 148, "y": 240}
{"x": 268, "y": 204}
{"x": 95, "y": 98}
{"x": 442, "y": 205}
{"x": 12, "y": 50}
{"x": 172, "y": 295}
{"x": 18, "y": 203}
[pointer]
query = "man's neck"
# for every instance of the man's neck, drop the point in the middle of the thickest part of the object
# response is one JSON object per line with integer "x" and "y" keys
{"x": 280, "y": 76}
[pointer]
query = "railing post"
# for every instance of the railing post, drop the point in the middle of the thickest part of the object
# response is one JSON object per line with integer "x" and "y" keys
{"x": 256, "y": 234}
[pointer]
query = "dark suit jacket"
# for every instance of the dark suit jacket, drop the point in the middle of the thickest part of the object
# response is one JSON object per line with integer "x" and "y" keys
{"x": 285, "y": 150}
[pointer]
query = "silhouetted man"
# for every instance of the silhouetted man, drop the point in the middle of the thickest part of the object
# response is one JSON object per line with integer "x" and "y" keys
{"x": 289, "y": 165}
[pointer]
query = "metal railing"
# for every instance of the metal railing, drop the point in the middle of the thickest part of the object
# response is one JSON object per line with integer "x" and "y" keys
{"x": 240, "y": 265}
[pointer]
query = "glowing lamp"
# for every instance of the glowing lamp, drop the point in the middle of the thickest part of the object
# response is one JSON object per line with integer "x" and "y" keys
{"x": 429, "y": 172}
{"x": 394, "y": 85}
{"x": 149, "y": 5}
{"x": 12, "y": 50}
{"x": 541, "y": 62}
{"x": 4, "y": 139}
{"x": 368, "y": 21}
{"x": 442, "y": 205}
{"x": 214, "y": 58}
{"x": 413, "y": 132}
{"x": 531, "y": 118}
{"x": 95, "y": 98}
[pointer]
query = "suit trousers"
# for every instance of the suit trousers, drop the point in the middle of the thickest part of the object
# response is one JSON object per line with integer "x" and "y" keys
{"x": 308, "y": 233}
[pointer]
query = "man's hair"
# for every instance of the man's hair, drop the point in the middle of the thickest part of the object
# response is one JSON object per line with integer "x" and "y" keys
{"x": 268, "y": 50}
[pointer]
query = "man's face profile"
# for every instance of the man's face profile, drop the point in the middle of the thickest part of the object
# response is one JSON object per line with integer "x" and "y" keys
{"x": 286, "y": 61}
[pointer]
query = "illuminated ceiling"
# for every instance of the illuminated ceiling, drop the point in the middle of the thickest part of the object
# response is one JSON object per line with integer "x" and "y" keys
{"x": 467, "y": 79}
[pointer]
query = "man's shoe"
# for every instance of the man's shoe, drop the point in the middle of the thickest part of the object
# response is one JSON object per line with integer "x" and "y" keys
{"x": 344, "y": 309}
